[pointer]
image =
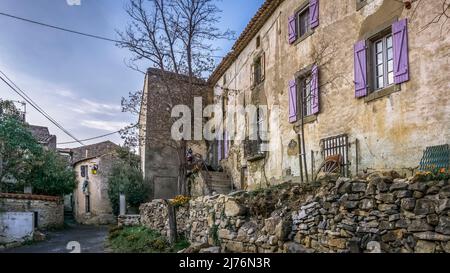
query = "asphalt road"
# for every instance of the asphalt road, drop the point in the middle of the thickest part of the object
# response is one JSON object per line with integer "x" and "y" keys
{"x": 78, "y": 239}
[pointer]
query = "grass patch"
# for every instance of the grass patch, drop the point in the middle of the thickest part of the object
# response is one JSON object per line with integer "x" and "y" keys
{"x": 142, "y": 240}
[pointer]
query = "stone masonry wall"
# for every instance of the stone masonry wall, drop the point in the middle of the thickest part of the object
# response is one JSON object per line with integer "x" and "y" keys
{"x": 154, "y": 215}
{"x": 50, "y": 209}
{"x": 380, "y": 213}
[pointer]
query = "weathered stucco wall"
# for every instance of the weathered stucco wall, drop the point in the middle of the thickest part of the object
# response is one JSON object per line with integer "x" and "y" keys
{"x": 100, "y": 206}
{"x": 389, "y": 132}
{"x": 49, "y": 210}
{"x": 16, "y": 227}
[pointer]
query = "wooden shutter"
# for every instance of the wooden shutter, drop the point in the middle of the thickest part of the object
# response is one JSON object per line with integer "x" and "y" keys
{"x": 401, "y": 61}
{"x": 360, "y": 67}
{"x": 252, "y": 75}
{"x": 263, "y": 66}
{"x": 292, "y": 28}
{"x": 315, "y": 95}
{"x": 292, "y": 101}
{"x": 219, "y": 150}
{"x": 314, "y": 13}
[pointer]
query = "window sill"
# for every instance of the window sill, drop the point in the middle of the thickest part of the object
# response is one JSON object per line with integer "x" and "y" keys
{"x": 382, "y": 93}
{"x": 302, "y": 38}
{"x": 308, "y": 119}
{"x": 360, "y": 4}
{"x": 256, "y": 157}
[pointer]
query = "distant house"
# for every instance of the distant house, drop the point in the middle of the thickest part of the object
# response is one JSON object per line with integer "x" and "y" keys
{"x": 90, "y": 200}
{"x": 43, "y": 136}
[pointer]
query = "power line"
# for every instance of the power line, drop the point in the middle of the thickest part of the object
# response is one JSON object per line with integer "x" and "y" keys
{"x": 97, "y": 137}
{"x": 80, "y": 33}
{"x": 16, "y": 89}
{"x": 59, "y": 28}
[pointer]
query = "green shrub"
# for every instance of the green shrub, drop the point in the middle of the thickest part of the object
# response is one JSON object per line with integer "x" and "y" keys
{"x": 142, "y": 240}
{"x": 126, "y": 179}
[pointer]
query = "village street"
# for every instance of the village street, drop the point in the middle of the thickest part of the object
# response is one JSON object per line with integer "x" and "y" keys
{"x": 91, "y": 239}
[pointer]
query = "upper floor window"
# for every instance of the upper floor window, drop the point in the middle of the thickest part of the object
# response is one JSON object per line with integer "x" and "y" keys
{"x": 303, "y": 26}
{"x": 304, "y": 85}
{"x": 304, "y": 96}
{"x": 303, "y": 21}
{"x": 382, "y": 62}
{"x": 258, "y": 70}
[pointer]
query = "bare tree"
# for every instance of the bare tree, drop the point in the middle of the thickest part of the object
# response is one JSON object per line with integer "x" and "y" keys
{"x": 173, "y": 36}
{"x": 440, "y": 17}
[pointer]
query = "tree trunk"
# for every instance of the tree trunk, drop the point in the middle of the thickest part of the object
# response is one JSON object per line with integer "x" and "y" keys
{"x": 171, "y": 212}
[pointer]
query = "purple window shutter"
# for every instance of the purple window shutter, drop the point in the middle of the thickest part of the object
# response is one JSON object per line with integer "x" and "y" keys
{"x": 225, "y": 145}
{"x": 314, "y": 13}
{"x": 315, "y": 95}
{"x": 292, "y": 101}
{"x": 219, "y": 150}
{"x": 360, "y": 69}
{"x": 292, "y": 29}
{"x": 401, "y": 62}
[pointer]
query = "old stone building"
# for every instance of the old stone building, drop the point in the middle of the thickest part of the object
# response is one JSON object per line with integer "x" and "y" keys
{"x": 368, "y": 78}
{"x": 90, "y": 200}
{"x": 43, "y": 136}
{"x": 160, "y": 153}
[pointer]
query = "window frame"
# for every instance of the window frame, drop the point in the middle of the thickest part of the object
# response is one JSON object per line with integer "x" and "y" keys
{"x": 304, "y": 11}
{"x": 372, "y": 60}
{"x": 304, "y": 7}
{"x": 258, "y": 59}
{"x": 371, "y": 35}
{"x": 303, "y": 73}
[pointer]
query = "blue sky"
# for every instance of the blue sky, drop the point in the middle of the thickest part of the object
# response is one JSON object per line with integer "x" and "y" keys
{"x": 79, "y": 81}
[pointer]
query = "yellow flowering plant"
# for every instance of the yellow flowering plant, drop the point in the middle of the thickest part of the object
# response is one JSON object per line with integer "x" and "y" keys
{"x": 179, "y": 200}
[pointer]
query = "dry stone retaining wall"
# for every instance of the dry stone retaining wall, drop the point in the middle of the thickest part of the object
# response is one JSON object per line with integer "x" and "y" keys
{"x": 376, "y": 214}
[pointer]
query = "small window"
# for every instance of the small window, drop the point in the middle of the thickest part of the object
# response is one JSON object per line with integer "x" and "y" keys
{"x": 225, "y": 79}
{"x": 257, "y": 71}
{"x": 382, "y": 61}
{"x": 258, "y": 41}
{"x": 305, "y": 94}
{"x": 303, "y": 26}
{"x": 88, "y": 203}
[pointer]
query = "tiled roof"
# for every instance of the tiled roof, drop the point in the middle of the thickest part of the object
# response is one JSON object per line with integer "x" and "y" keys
{"x": 41, "y": 133}
{"x": 92, "y": 151}
{"x": 252, "y": 28}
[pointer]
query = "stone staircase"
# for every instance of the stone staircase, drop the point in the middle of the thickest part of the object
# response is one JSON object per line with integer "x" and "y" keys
{"x": 217, "y": 182}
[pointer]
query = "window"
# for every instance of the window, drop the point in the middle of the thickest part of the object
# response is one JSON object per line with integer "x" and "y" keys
{"x": 382, "y": 62}
{"x": 254, "y": 147}
{"x": 303, "y": 25}
{"x": 258, "y": 41}
{"x": 305, "y": 94}
{"x": 258, "y": 70}
{"x": 88, "y": 204}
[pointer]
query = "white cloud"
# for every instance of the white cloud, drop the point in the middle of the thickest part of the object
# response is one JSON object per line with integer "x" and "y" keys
{"x": 104, "y": 125}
